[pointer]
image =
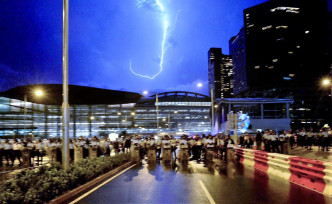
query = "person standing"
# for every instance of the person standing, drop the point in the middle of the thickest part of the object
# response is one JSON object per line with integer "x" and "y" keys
{"x": 309, "y": 141}
{"x": 40, "y": 151}
{"x": 71, "y": 151}
{"x": 1, "y": 153}
{"x": 247, "y": 141}
{"x": 325, "y": 140}
{"x": 136, "y": 146}
{"x": 158, "y": 148}
{"x": 17, "y": 148}
{"x": 227, "y": 142}
{"x": 174, "y": 146}
{"x": 266, "y": 138}
{"x": 241, "y": 140}
{"x": 8, "y": 152}
{"x": 107, "y": 144}
{"x": 259, "y": 140}
{"x": 127, "y": 144}
{"x": 116, "y": 146}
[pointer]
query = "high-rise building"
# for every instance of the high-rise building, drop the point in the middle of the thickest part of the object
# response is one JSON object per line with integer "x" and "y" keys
{"x": 284, "y": 54}
{"x": 220, "y": 69}
{"x": 237, "y": 49}
{"x": 283, "y": 38}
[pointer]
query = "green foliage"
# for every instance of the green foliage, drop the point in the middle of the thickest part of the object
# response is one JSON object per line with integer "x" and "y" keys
{"x": 48, "y": 182}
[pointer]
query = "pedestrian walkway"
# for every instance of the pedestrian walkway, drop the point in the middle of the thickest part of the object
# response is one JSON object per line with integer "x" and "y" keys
{"x": 312, "y": 154}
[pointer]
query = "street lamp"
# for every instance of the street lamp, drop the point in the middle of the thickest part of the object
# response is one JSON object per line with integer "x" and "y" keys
{"x": 212, "y": 104}
{"x": 157, "y": 108}
{"x": 327, "y": 82}
{"x": 38, "y": 93}
{"x": 65, "y": 93}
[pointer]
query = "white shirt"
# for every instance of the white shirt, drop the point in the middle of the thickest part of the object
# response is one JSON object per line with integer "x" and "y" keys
{"x": 325, "y": 134}
{"x": 266, "y": 136}
{"x": 17, "y": 146}
{"x": 151, "y": 142}
{"x": 209, "y": 142}
{"x": 183, "y": 144}
{"x": 166, "y": 143}
{"x": 135, "y": 142}
{"x": 7, "y": 146}
{"x": 94, "y": 143}
{"x": 273, "y": 137}
{"x": 40, "y": 146}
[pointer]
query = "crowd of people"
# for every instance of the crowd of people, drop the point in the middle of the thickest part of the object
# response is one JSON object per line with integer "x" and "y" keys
{"x": 271, "y": 141}
{"x": 197, "y": 145}
{"x": 11, "y": 150}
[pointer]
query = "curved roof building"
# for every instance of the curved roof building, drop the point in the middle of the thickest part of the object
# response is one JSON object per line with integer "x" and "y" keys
{"x": 78, "y": 95}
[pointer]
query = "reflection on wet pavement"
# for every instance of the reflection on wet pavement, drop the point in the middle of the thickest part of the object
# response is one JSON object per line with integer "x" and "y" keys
{"x": 176, "y": 182}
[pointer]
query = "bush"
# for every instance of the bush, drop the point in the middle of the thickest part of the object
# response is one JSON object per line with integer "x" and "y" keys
{"x": 48, "y": 182}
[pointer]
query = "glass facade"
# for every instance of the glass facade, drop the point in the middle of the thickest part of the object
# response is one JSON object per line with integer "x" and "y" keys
{"x": 175, "y": 114}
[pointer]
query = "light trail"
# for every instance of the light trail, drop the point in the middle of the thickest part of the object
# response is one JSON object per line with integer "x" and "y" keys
{"x": 164, "y": 39}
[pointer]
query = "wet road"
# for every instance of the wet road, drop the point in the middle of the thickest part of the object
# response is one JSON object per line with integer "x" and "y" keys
{"x": 223, "y": 183}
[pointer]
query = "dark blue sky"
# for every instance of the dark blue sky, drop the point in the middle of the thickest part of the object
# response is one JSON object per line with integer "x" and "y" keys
{"x": 106, "y": 35}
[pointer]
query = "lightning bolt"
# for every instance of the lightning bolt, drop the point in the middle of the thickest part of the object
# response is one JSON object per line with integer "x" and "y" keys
{"x": 163, "y": 43}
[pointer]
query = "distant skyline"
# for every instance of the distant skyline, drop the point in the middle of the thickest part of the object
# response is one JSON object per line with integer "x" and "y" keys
{"x": 105, "y": 36}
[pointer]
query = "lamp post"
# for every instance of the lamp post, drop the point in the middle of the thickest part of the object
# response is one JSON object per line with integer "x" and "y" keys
{"x": 327, "y": 82}
{"x": 200, "y": 85}
{"x": 38, "y": 93}
{"x": 65, "y": 103}
{"x": 157, "y": 108}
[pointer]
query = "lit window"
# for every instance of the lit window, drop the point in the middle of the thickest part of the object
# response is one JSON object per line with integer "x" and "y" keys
{"x": 257, "y": 67}
{"x": 252, "y": 25}
{"x": 275, "y": 60}
{"x": 271, "y": 67}
{"x": 282, "y": 27}
{"x": 267, "y": 27}
{"x": 291, "y": 75}
{"x": 298, "y": 46}
{"x": 286, "y": 9}
{"x": 290, "y": 52}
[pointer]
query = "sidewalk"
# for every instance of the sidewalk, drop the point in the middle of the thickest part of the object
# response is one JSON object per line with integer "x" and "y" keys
{"x": 312, "y": 154}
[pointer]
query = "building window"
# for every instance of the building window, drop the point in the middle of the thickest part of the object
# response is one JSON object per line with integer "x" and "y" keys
{"x": 267, "y": 27}
{"x": 257, "y": 67}
{"x": 287, "y": 9}
{"x": 275, "y": 60}
{"x": 282, "y": 27}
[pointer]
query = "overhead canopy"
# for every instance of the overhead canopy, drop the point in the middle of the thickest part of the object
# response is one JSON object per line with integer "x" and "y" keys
{"x": 79, "y": 95}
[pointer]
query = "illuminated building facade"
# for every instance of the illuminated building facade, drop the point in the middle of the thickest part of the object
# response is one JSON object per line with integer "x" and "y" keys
{"x": 220, "y": 69}
{"x": 100, "y": 112}
{"x": 263, "y": 113}
{"x": 237, "y": 49}
{"x": 282, "y": 53}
